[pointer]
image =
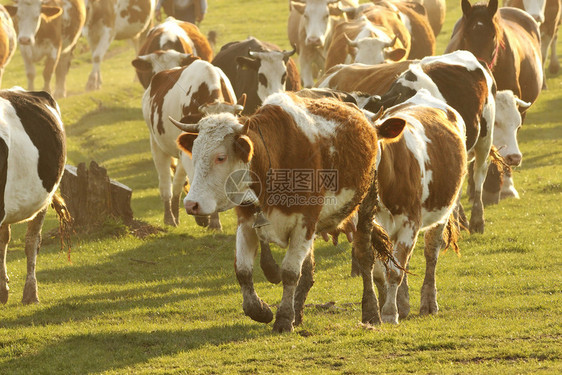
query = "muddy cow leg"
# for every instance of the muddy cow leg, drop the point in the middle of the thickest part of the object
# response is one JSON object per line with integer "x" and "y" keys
{"x": 178, "y": 183}
{"x": 32, "y": 244}
{"x": 299, "y": 248}
{"x": 246, "y": 248}
{"x": 305, "y": 283}
{"x": 403, "y": 297}
{"x": 433, "y": 244}
{"x": 4, "y": 280}
{"x": 268, "y": 264}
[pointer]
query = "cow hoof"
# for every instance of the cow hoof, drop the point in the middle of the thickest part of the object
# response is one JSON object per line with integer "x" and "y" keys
{"x": 30, "y": 293}
{"x": 258, "y": 311}
{"x": 429, "y": 308}
{"x": 403, "y": 309}
{"x": 489, "y": 198}
{"x": 476, "y": 226}
{"x": 215, "y": 226}
{"x": 168, "y": 220}
{"x": 511, "y": 193}
{"x": 282, "y": 325}
{"x": 202, "y": 221}
{"x": 390, "y": 319}
{"x": 4, "y": 293}
{"x": 554, "y": 68}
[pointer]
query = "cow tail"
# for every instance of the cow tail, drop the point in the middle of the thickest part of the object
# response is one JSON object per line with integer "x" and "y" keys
{"x": 65, "y": 223}
{"x": 212, "y": 38}
{"x": 451, "y": 235}
{"x": 499, "y": 162}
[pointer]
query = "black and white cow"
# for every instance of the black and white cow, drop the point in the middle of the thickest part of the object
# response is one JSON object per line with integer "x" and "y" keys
{"x": 32, "y": 158}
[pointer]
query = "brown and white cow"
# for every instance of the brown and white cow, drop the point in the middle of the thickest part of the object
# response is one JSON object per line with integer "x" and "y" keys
{"x": 8, "y": 41}
{"x": 245, "y": 163}
{"x": 32, "y": 158}
{"x": 258, "y": 69}
{"x": 48, "y": 29}
{"x": 361, "y": 41}
{"x": 463, "y": 83}
{"x": 310, "y": 29}
{"x": 419, "y": 181}
{"x": 168, "y": 45}
{"x": 110, "y": 20}
{"x": 507, "y": 40}
{"x": 179, "y": 93}
{"x": 547, "y": 13}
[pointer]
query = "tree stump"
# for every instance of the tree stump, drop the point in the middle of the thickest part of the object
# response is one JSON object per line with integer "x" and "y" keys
{"x": 91, "y": 196}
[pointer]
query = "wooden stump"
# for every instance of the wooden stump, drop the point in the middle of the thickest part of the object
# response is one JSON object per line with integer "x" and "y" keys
{"x": 91, "y": 196}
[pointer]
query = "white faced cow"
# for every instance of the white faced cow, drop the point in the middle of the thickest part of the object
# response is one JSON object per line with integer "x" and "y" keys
{"x": 310, "y": 29}
{"x": 419, "y": 180}
{"x": 48, "y": 30}
{"x": 289, "y": 134}
{"x": 110, "y": 20}
{"x": 32, "y": 158}
{"x": 179, "y": 93}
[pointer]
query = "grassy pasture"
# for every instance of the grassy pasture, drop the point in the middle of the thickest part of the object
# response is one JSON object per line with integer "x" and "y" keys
{"x": 171, "y": 303}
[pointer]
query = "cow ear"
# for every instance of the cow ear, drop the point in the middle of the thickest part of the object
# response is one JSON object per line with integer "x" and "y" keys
{"x": 185, "y": 142}
{"x": 492, "y": 7}
{"x": 299, "y": 7}
{"x": 335, "y": 10}
{"x": 12, "y": 10}
{"x": 50, "y": 12}
{"x": 244, "y": 148}
{"x": 242, "y": 100}
{"x": 391, "y": 129}
{"x": 396, "y": 54}
{"x": 188, "y": 59}
{"x": 142, "y": 64}
{"x": 247, "y": 63}
{"x": 466, "y": 8}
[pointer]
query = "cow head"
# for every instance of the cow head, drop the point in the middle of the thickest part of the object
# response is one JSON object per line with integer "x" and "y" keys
{"x": 535, "y": 8}
{"x": 158, "y": 61}
{"x": 481, "y": 30}
{"x": 27, "y": 15}
{"x": 316, "y": 19}
{"x": 219, "y": 146}
{"x": 507, "y": 125}
{"x": 271, "y": 70}
{"x": 373, "y": 50}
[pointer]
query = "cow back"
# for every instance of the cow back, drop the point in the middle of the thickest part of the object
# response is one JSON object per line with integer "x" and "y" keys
{"x": 7, "y": 37}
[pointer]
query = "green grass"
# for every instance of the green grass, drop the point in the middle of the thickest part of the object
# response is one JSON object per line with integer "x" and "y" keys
{"x": 171, "y": 304}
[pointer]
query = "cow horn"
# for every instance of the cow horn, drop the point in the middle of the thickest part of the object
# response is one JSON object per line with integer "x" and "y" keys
{"x": 350, "y": 42}
{"x": 522, "y": 103}
{"x": 392, "y": 42}
{"x": 288, "y": 54}
{"x": 189, "y": 128}
{"x": 377, "y": 115}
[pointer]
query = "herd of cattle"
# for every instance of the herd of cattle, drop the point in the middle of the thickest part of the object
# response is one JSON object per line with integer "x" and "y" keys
{"x": 376, "y": 145}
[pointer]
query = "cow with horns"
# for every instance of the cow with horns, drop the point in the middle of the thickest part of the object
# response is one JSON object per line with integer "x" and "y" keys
{"x": 32, "y": 158}
{"x": 330, "y": 140}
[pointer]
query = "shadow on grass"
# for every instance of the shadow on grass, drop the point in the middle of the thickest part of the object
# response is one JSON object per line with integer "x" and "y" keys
{"x": 100, "y": 352}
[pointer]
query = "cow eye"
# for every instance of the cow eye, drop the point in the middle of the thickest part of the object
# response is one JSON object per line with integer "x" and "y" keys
{"x": 262, "y": 79}
{"x": 284, "y": 78}
{"x": 220, "y": 159}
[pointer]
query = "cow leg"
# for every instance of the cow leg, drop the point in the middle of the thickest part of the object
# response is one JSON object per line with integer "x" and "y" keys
{"x": 299, "y": 249}
{"x": 433, "y": 244}
{"x": 4, "y": 280}
{"x": 508, "y": 189}
{"x": 177, "y": 188}
{"x": 492, "y": 186}
{"x": 305, "y": 283}
{"x": 403, "y": 246}
{"x": 60, "y": 74}
{"x": 32, "y": 244}
{"x": 215, "y": 222}
{"x": 268, "y": 264}
{"x": 305, "y": 61}
{"x": 380, "y": 280}
{"x": 27, "y": 55}
{"x": 403, "y": 297}
{"x": 246, "y": 248}
{"x": 162, "y": 163}
{"x": 50, "y": 65}
{"x": 554, "y": 65}
{"x": 102, "y": 43}
{"x": 481, "y": 151}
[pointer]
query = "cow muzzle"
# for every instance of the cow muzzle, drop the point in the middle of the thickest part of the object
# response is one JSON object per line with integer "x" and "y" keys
{"x": 25, "y": 41}
{"x": 192, "y": 208}
{"x": 314, "y": 41}
{"x": 513, "y": 160}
